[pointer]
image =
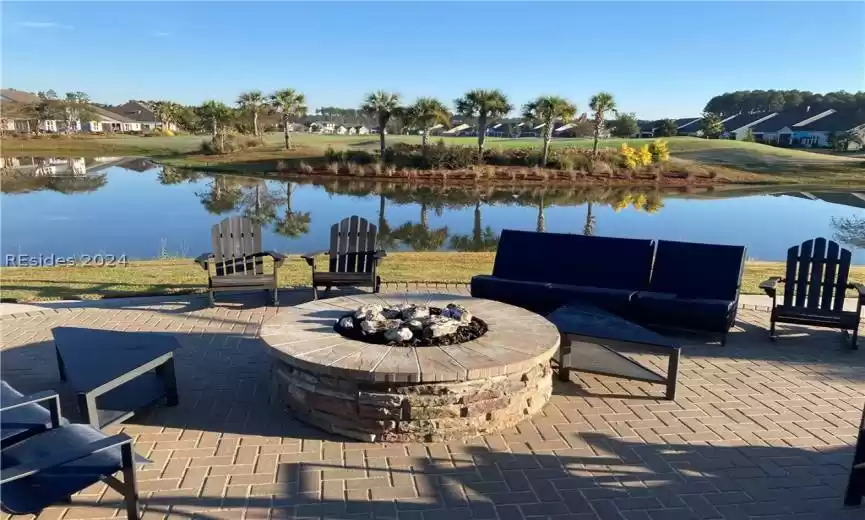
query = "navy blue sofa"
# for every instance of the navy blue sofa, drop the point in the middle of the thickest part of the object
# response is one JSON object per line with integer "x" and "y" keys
{"x": 678, "y": 285}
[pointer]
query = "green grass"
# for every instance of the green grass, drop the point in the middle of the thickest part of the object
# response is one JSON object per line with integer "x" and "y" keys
{"x": 780, "y": 164}
{"x": 152, "y": 277}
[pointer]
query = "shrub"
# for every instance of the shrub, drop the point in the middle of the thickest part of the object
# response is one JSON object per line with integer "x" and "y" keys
{"x": 496, "y": 157}
{"x": 565, "y": 162}
{"x": 333, "y": 167}
{"x": 628, "y": 155}
{"x": 660, "y": 151}
{"x": 601, "y": 167}
{"x": 305, "y": 168}
{"x": 358, "y": 156}
{"x": 230, "y": 143}
{"x": 644, "y": 156}
{"x": 376, "y": 168}
{"x": 332, "y": 156}
{"x": 354, "y": 168}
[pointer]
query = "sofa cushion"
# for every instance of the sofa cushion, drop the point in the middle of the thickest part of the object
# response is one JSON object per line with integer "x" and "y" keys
{"x": 692, "y": 270}
{"x": 611, "y": 300}
{"x": 665, "y": 310}
{"x": 579, "y": 260}
{"x": 534, "y": 296}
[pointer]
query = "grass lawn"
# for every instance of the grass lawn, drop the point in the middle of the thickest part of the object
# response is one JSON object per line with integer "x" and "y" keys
{"x": 149, "y": 277}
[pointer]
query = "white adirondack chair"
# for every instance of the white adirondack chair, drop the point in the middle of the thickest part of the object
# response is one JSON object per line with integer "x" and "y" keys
{"x": 238, "y": 260}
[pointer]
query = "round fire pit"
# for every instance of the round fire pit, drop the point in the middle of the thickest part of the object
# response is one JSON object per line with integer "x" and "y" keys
{"x": 425, "y": 388}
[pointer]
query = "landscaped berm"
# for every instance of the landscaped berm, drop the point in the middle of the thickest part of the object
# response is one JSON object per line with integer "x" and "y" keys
{"x": 758, "y": 430}
{"x": 404, "y": 391}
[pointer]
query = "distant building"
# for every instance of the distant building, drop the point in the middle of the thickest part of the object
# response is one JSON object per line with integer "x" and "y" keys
{"x": 142, "y": 113}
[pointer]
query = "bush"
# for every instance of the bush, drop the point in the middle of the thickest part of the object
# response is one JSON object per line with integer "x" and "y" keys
{"x": 333, "y": 167}
{"x": 230, "y": 144}
{"x": 358, "y": 156}
{"x": 601, "y": 167}
{"x": 644, "y": 156}
{"x": 629, "y": 156}
{"x": 660, "y": 151}
{"x": 305, "y": 168}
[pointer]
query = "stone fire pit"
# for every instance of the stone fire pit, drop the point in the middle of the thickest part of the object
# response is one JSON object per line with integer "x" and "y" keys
{"x": 431, "y": 387}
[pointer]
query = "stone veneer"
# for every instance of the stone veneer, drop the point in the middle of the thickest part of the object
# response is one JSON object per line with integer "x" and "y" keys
{"x": 412, "y": 412}
{"x": 375, "y": 392}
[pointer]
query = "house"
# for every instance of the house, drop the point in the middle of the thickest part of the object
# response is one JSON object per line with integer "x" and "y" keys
{"x": 361, "y": 130}
{"x": 322, "y": 127}
{"x": 15, "y": 120}
{"x": 737, "y": 127}
{"x": 818, "y": 133}
{"x": 780, "y": 129}
{"x": 461, "y": 129}
{"x": 106, "y": 121}
{"x": 142, "y": 113}
{"x": 340, "y": 130}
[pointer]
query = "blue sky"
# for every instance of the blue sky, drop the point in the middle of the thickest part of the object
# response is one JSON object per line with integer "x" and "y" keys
{"x": 658, "y": 59}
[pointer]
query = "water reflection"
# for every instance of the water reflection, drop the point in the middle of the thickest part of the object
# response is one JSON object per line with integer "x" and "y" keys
{"x": 140, "y": 205}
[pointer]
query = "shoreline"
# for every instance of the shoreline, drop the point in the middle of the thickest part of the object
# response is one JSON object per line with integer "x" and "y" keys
{"x": 182, "y": 276}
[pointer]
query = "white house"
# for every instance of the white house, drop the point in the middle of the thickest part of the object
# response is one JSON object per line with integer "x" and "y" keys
{"x": 340, "y": 130}
{"x": 738, "y": 126}
{"x": 361, "y": 130}
{"x": 782, "y": 129}
{"x": 142, "y": 113}
{"x": 457, "y": 130}
{"x": 818, "y": 133}
{"x": 322, "y": 127}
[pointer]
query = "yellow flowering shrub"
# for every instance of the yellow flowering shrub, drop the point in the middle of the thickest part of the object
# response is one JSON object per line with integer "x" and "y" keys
{"x": 629, "y": 156}
{"x": 644, "y": 156}
{"x": 660, "y": 151}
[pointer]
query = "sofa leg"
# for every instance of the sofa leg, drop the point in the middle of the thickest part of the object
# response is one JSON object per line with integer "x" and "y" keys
{"x": 772, "y": 330}
{"x": 377, "y": 286}
{"x": 855, "y": 339}
{"x": 314, "y": 292}
{"x": 211, "y": 298}
{"x": 724, "y": 340}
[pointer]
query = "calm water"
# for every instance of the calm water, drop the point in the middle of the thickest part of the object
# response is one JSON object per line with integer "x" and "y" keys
{"x": 133, "y": 207}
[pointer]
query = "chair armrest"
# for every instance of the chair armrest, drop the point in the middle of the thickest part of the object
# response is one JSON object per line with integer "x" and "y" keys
{"x": 310, "y": 258}
{"x": 202, "y": 259}
{"x": 10, "y": 404}
{"x": 770, "y": 285}
{"x": 63, "y": 455}
{"x": 860, "y": 288}
{"x": 278, "y": 258}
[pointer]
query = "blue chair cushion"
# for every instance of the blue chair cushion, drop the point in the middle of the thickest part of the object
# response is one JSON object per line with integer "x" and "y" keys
{"x": 22, "y": 422}
{"x": 704, "y": 271}
{"x": 31, "y": 494}
{"x": 616, "y": 301}
{"x": 668, "y": 310}
{"x": 616, "y": 263}
{"x": 535, "y": 296}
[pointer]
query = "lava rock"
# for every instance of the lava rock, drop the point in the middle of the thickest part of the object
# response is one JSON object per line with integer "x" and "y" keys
{"x": 346, "y": 322}
{"x": 400, "y": 334}
{"x": 366, "y": 312}
{"x": 440, "y": 326}
{"x": 415, "y": 313}
{"x": 457, "y": 312}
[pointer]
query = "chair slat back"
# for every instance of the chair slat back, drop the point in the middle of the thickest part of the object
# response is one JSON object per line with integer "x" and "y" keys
{"x": 234, "y": 239}
{"x": 817, "y": 272}
{"x": 352, "y": 245}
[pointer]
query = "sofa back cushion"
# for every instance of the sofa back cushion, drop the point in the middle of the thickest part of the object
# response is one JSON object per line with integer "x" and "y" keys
{"x": 613, "y": 263}
{"x": 692, "y": 270}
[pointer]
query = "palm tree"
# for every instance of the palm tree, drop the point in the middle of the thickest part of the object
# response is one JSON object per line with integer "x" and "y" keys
{"x": 601, "y": 103}
{"x": 166, "y": 112}
{"x": 483, "y": 104}
{"x": 290, "y": 104}
{"x": 293, "y": 224}
{"x": 216, "y": 116}
{"x": 547, "y": 110}
{"x": 427, "y": 113}
{"x": 252, "y": 102}
{"x": 542, "y": 221}
{"x": 481, "y": 239}
{"x": 259, "y": 205}
{"x": 381, "y": 105}
{"x": 384, "y": 239}
{"x": 591, "y": 221}
{"x": 222, "y": 197}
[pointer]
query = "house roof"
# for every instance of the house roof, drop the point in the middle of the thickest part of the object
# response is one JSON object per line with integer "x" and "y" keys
{"x": 787, "y": 118}
{"x": 836, "y": 122}
{"x": 686, "y": 121}
{"x": 135, "y": 110}
{"x": 107, "y": 115}
{"x": 18, "y": 96}
{"x": 743, "y": 120}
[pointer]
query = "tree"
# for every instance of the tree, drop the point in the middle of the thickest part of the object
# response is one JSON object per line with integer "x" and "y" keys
{"x": 601, "y": 103}
{"x": 749, "y": 136}
{"x": 481, "y": 239}
{"x": 259, "y": 204}
{"x": 711, "y": 125}
{"x": 382, "y": 106}
{"x": 252, "y": 102}
{"x": 45, "y": 109}
{"x": 547, "y": 110}
{"x": 74, "y": 108}
{"x": 483, "y": 104}
{"x": 289, "y": 104}
{"x": 167, "y": 112}
{"x": 666, "y": 128}
{"x": 215, "y": 115}
{"x": 625, "y": 125}
{"x": 591, "y": 221}
{"x": 427, "y": 113}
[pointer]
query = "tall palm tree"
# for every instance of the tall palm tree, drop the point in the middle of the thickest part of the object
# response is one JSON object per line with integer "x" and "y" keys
{"x": 426, "y": 113}
{"x": 166, "y": 112}
{"x": 221, "y": 197}
{"x": 601, "y": 103}
{"x": 547, "y": 110}
{"x": 216, "y": 115}
{"x": 384, "y": 239}
{"x": 289, "y": 104}
{"x": 483, "y": 104}
{"x": 591, "y": 221}
{"x": 252, "y": 102}
{"x": 481, "y": 239}
{"x": 381, "y": 105}
{"x": 259, "y": 205}
{"x": 542, "y": 221}
{"x": 292, "y": 224}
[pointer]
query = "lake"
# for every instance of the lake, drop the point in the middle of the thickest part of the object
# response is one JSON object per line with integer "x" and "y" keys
{"x": 133, "y": 207}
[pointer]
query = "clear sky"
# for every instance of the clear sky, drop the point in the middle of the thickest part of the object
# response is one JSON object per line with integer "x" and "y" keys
{"x": 658, "y": 59}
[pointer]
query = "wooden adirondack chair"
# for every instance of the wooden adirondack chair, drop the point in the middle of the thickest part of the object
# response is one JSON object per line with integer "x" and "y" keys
{"x": 815, "y": 285}
{"x": 353, "y": 257}
{"x": 238, "y": 260}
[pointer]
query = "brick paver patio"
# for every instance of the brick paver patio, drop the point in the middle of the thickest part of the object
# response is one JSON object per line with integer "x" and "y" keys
{"x": 758, "y": 430}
